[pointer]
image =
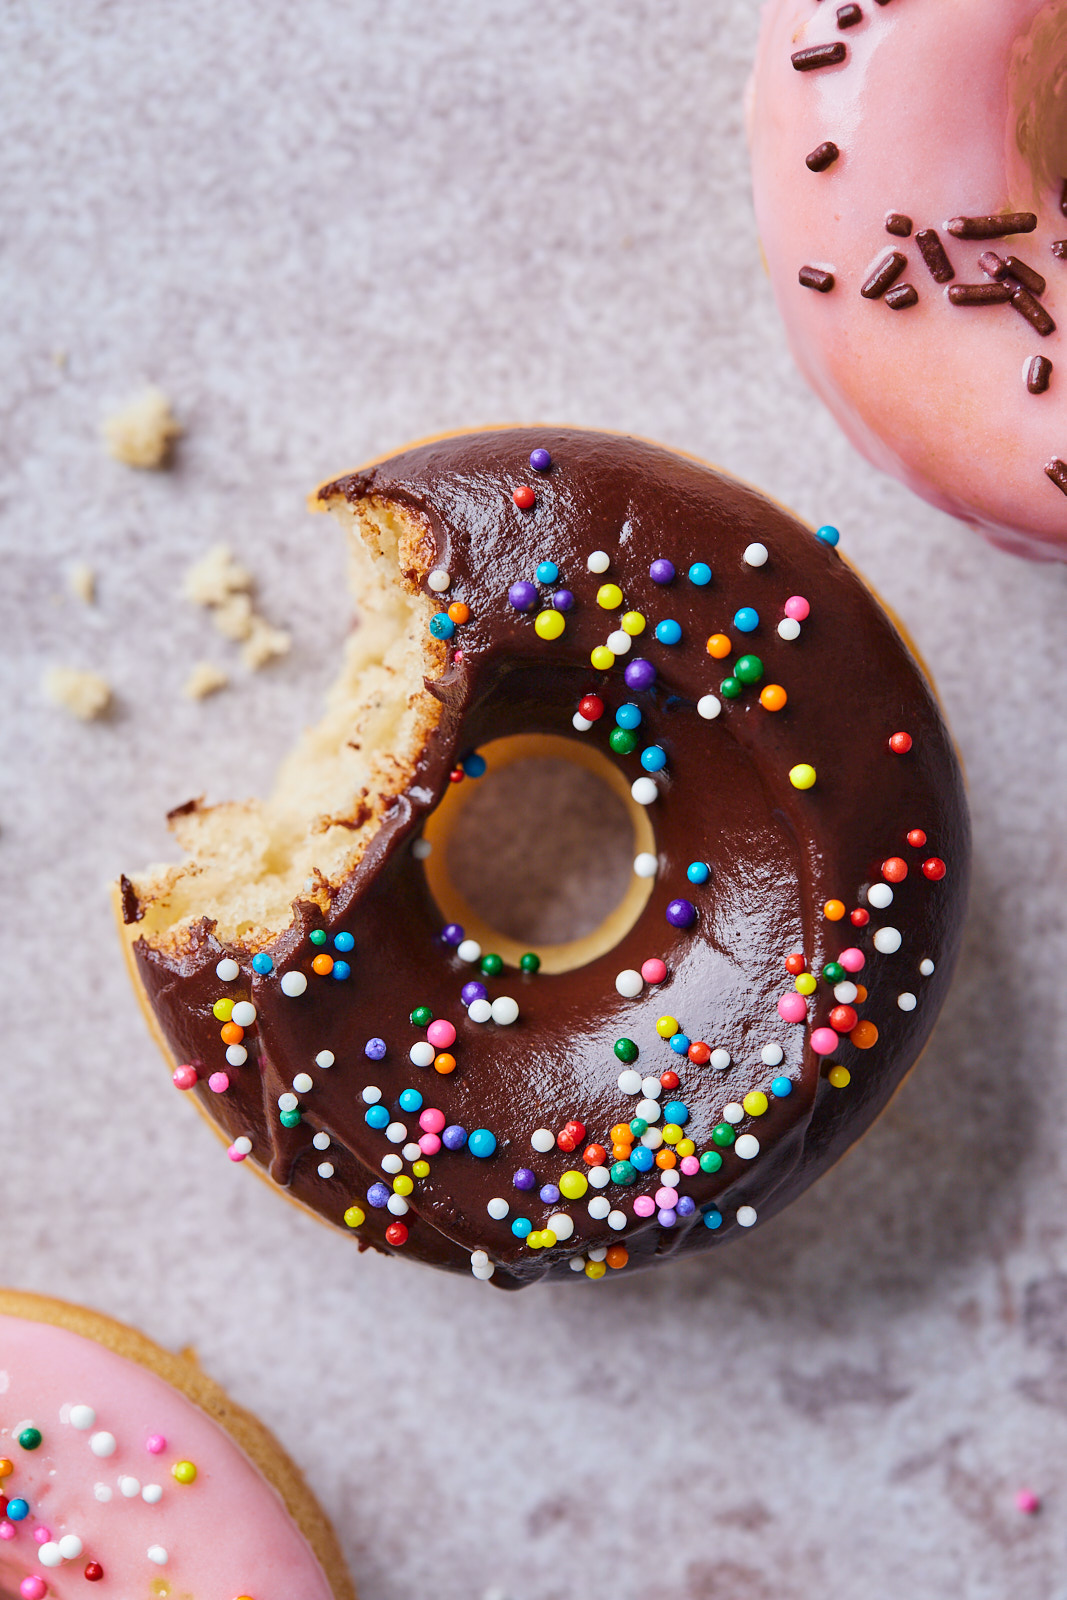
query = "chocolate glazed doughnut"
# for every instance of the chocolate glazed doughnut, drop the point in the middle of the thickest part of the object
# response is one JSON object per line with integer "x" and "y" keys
{"x": 799, "y": 889}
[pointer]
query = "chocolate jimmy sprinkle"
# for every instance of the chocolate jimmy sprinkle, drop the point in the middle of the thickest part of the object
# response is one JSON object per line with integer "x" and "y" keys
{"x": 933, "y": 253}
{"x": 994, "y": 267}
{"x": 818, "y": 55}
{"x": 1063, "y": 198}
{"x": 993, "y": 227}
{"x": 979, "y": 294}
{"x": 896, "y": 222}
{"x": 816, "y": 278}
{"x": 903, "y": 296}
{"x": 848, "y": 16}
{"x": 1039, "y": 374}
{"x": 1059, "y": 249}
{"x": 1057, "y": 471}
{"x": 823, "y": 156}
{"x": 1031, "y": 309}
{"x": 886, "y": 271}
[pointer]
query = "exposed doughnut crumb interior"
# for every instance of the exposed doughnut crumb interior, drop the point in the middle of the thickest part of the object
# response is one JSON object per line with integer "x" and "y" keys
{"x": 249, "y": 860}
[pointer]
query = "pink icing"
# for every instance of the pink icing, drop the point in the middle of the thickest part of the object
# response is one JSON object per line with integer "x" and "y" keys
{"x": 228, "y": 1534}
{"x": 934, "y": 393}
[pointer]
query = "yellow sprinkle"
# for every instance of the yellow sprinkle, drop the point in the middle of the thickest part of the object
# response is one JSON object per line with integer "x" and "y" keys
{"x": 633, "y": 623}
{"x": 840, "y": 1077}
{"x": 685, "y": 1147}
{"x": 671, "y": 1133}
{"x": 534, "y": 1240}
{"x": 355, "y": 1217}
{"x": 548, "y": 1238}
{"x": 602, "y": 658}
{"x": 402, "y": 1184}
{"x": 549, "y": 624}
{"x": 802, "y": 776}
{"x": 755, "y": 1103}
{"x": 595, "y": 1269}
{"x": 805, "y": 984}
{"x": 184, "y": 1471}
{"x": 609, "y": 595}
{"x": 573, "y": 1185}
{"x": 223, "y": 1010}
{"x": 667, "y": 1027}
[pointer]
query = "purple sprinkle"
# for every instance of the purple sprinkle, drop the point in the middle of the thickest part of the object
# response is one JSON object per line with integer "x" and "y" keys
{"x": 549, "y": 1194}
{"x": 661, "y": 570}
{"x": 563, "y": 600}
{"x": 524, "y": 1178}
{"x": 523, "y": 595}
{"x": 375, "y": 1049}
{"x": 452, "y": 933}
{"x": 540, "y": 460}
{"x": 681, "y": 913}
{"x": 666, "y": 1218}
{"x": 454, "y": 1137}
{"x": 472, "y": 991}
{"x": 686, "y": 1206}
{"x": 378, "y": 1195}
{"x": 640, "y": 674}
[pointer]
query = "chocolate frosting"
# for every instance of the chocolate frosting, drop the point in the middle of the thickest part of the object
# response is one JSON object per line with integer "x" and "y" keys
{"x": 777, "y": 854}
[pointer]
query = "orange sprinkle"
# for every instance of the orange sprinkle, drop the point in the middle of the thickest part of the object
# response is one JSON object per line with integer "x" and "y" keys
{"x": 861, "y": 994}
{"x": 620, "y": 1134}
{"x": 6, "y": 1469}
{"x": 863, "y": 1035}
{"x": 719, "y": 646}
{"x": 459, "y": 612}
{"x": 666, "y": 1159}
{"x": 621, "y": 1152}
{"x": 444, "y": 1063}
{"x": 231, "y": 1033}
{"x": 617, "y": 1256}
{"x": 773, "y": 697}
{"x": 323, "y": 965}
{"x": 833, "y": 910}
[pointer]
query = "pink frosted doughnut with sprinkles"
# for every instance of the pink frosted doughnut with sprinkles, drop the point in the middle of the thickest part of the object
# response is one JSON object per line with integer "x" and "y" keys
{"x": 428, "y": 1085}
{"x": 125, "y": 1471}
{"x": 914, "y": 223}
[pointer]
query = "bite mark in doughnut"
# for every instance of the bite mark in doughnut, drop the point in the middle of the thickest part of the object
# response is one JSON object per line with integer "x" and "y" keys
{"x": 940, "y": 397}
{"x": 782, "y": 956}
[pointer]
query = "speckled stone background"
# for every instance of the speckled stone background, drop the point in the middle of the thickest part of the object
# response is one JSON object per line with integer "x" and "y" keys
{"x": 324, "y": 228}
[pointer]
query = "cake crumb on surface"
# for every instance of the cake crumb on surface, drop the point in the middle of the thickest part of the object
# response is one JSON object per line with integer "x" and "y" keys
{"x": 223, "y": 586}
{"x": 234, "y": 617}
{"x": 82, "y": 581}
{"x": 84, "y": 694}
{"x": 215, "y": 577}
{"x": 142, "y": 432}
{"x": 204, "y": 679}
{"x": 263, "y": 644}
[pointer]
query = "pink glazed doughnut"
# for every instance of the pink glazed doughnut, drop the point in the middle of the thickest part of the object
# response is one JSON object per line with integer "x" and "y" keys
{"x": 908, "y": 161}
{"x": 126, "y": 1473}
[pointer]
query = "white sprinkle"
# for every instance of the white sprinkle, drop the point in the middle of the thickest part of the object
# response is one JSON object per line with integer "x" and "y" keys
{"x": 321, "y": 1141}
{"x": 747, "y": 1147}
{"x": 485, "y": 1272}
{"x": 371, "y": 1094}
{"x": 479, "y": 1011}
{"x": 926, "y": 968}
{"x": 617, "y": 1220}
{"x": 629, "y": 983}
{"x": 227, "y": 970}
{"x": 397, "y": 1205}
{"x": 670, "y": 1179}
{"x": 70, "y": 1547}
{"x": 709, "y": 706}
{"x": 598, "y": 1254}
{"x": 756, "y": 555}
{"x": 152, "y": 1494}
{"x": 129, "y": 1488}
{"x": 479, "y": 1258}
{"x": 411, "y": 1152}
{"x": 422, "y": 1054}
{"x": 156, "y": 1553}
{"x": 906, "y": 1001}
{"x": 562, "y": 1225}
{"x": 630, "y": 1081}
{"x": 845, "y": 993}
{"x": 746, "y": 1216}
{"x": 582, "y": 724}
{"x": 293, "y": 984}
{"x": 789, "y": 628}
{"x": 102, "y": 1493}
{"x": 646, "y": 865}
{"x": 505, "y": 1010}
{"x": 542, "y": 1140}
{"x": 82, "y": 1417}
{"x": 421, "y": 849}
{"x": 652, "y": 1139}
{"x": 880, "y": 895}
{"x": 325, "y": 1169}
{"x": 236, "y": 1055}
{"x": 599, "y": 561}
{"x": 887, "y": 941}
{"x": 49, "y": 1555}
{"x": 439, "y": 580}
{"x": 392, "y": 1164}
{"x": 733, "y": 1112}
{"x": 649, "y": 1110}
{"x": 303, "y": 1082}
{"x": 325, "y": 1058}
{"x": 599, "y": 1207}
{"x": 469, "y": 950}
{"x": 396, "y": 1133}
{"x": 498, "y": 1209}
{"x": 772, "y": 1055}
{"x": 577, "y": 1263}
{"x": 719, "y": 1059}
{"x": 244, "y": 1014}
{"x": 287, "y": 1102}
{"x": 242, "y": 1145}
{"x": 619, "y": 642}
{"x": 644, "y": 791}
{"x": 599, "y": 1177}
{"x": 652, "y": 1088}
{"x": 102, "y": 1444}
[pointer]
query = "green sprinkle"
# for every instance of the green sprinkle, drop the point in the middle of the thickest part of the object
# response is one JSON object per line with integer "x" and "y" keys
{"x": 723, "y": 1135}
{"x": 492, "y": 965}
{"x": 639, "y": 1127}
{"x": 749, "y": 669}
{"x": 710, "y": 1161}
{"x": 530, "y": 962}
{"x": 834, "y": 972}
{"x": 622, "y": 741}
{"x": 422, "y": 1016}
{"x": 626, "y": 1050}
{"x": 730, "y": 688}
{"x": 318, "y": 936}
{"x": 623, "y": 1172}
{"x": 289, "y": 1119}
{"x": 30, "y": 1438}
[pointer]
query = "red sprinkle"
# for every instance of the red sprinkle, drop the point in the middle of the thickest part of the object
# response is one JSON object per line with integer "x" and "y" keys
{"x": 94, "y": 1571}
{"x": 699, "y": 1053}
{"x": 843, "y": 1019}
{"x": 594, "y": 1155}
{"x": 524, "y": 497}
{"x": 895, "y": 870}
{"x": 570, "y": 1136}
{"x": 457, "y": 775}
{"x": 794, "y": 965}
{"x": 670, "y": 1080}
{"x": 934, "y": 869}
{"x": 916, "y": 838}
{"x": 859, "y": 918}
{"x": 591, "y": 707}
{"x": 396, "y": 1233}
{"x": 900, "y": 744}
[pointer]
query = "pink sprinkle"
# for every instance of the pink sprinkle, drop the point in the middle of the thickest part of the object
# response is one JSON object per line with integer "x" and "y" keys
{"x": 457, "y": 655}
{"x": 644, "y": 1205}
{"x": 690, "y": 1166}
{"x": 218, "y": 1083}
{"x": 666, "y": 1199}
{"x": 797, "y": 608}
{"x": 432, "y": 1120}
{"x": 1027, "y": 1501}
{"x": 155, "y": 1444}
{"x": 824, "y": 1041}
{"x": 42, "y": 1534}
{"x": 184, "y": 1077}
{"x": 33, "y": 1588}
{"x": 8, "y": 1530}
{"x": 653, "y": 970}
{"x": 235, "y": 1154}
{"x": 441, "y": 1034}
{"x": 791, "y": 1008}
{"x": 852, "y": 960}
{"x": 429, "y": 1144}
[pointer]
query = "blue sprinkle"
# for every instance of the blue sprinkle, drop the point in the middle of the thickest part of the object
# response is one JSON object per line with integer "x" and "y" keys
{"x": 680, "y": 1043}
{"x": 828, "y": 534}
{"x": 481, "y": 1143}
{"x": 378, "y": 1195}
{"x": 700, "y": 574}
{"x": 374, "y": 1049}
{"x": 686, "y": 1206}
{"x": 782, "y": 1087}
{"x": 377, "y": 1117}
{"x": 442, "y": 626}
{"x": 746, "y": 620}
{"x": 628, "y": 716}
{"x": 17, "y": 1510}
{"x": 547, "y": 572}
{"x": 341, "y": 970}
{"x": 666, "y": 1217}
{"x": 549, "y": 1194}
{"x": 642, "y": 1158}
{"x": 262, "y": 963}
{"x": 474, "y": 765}
{"x": 669, "y": 631}
{"x": 521, "y": 1227}
{"x": 713, "y": 1218}
{"x": 410, "y": 1100}
{"x": 698, "y": 872}
{"x": 676, "y": 1111}
{"x": 653, "y": 758}
{"x": 343, "y": 941}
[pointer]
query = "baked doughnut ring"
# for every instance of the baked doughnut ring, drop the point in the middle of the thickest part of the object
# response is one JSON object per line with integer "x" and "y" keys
{"x": 800, "y": 827}
{"x": 909, "y": 165}
{"x": 125, "y": 1465}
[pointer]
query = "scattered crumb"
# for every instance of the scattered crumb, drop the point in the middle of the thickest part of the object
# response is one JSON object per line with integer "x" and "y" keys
{"x": 216, "y": 576}
{"x": 263, "y": 644}
{"x": 234, "y": 617}
{"x": 221, "y": 584}
{"x": 83, "y": 694}
{"x": 82, "y": 580}
{"x": 59, "y": 358}
{"x": 204, "y": 679}
{"x": 142, "y": 433}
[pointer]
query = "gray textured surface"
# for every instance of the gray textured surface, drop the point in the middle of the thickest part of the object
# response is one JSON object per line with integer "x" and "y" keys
{"x": 325, "y": 228}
